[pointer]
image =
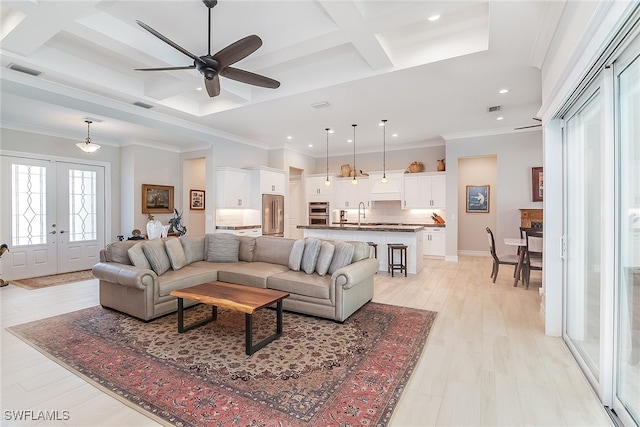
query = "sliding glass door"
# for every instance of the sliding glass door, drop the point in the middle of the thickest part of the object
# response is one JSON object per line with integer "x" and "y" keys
{"x": 627, "y": 381}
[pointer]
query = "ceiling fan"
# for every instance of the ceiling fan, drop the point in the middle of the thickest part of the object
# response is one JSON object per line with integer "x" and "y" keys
{"x": 219, "y": 64}
{"x": 531, "y": 126}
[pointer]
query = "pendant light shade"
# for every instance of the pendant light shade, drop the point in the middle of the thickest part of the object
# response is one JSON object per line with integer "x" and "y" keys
{"x": 327, "y": 182}
{"x": 384, "y": 152}
{"x": 354, "y": 181}
{"x": 87, "y": 145}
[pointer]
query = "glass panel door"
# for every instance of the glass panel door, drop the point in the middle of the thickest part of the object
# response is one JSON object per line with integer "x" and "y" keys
{"x": 627, "y": 388}
{"x": 583, "y": 230}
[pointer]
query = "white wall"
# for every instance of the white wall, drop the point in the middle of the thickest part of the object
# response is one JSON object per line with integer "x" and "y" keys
{"x": 516, "y": 154}
{"x": 194, "y": 177}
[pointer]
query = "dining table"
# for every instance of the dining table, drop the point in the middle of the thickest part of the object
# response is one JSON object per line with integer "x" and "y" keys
{"x": 522, "y": 247}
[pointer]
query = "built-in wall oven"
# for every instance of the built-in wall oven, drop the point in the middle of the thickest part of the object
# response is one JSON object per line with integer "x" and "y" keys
{"x": 319, "y": 213}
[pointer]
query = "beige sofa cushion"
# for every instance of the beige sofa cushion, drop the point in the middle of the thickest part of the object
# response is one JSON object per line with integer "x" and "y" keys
{"x": 118, "y": 251}
{"x": 156, "y": 255}
{"x": 295, "y": 257}
{"x": 274, "y": 250}
{"x": 137, "y": 257}
{"x": 193, "y": 248}
{"x": 297, "y": 282}
{"x": 247, "y": 248}
{"x": 176, "y": 253}
{"x": 310, "y": 255}
{"x": 325, "y": 257}
{"x": 361, "y": 250}
{"x": 341, "y": 256}
{"x": 248, "y": 273}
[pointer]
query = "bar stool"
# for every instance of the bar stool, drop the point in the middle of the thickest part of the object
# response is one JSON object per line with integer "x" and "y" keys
{"x": 375, "y": 248}
{"x": 392, "y": 265}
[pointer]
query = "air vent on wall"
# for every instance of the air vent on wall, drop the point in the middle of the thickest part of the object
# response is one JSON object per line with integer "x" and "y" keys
{"x": 323, "y": 104}
{"x": 21, "y": 69}
{"x": 494, "y": 109}
{"x": 142, "y": 104}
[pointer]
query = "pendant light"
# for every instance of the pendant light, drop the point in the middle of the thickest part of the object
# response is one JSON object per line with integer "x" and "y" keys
{"x": 354, "y": 181}
{"x": 87, "y": 145}
{"x": 327, "y": 182}
{"x": 384, "y": 152}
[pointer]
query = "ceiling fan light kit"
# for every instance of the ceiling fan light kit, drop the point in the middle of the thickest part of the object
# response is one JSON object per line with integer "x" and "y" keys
{"x": 87, "y": 145}
{"x": 219, "y": 64}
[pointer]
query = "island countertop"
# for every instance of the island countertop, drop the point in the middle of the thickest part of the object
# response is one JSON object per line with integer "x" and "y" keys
{"x": 365, "y": 227}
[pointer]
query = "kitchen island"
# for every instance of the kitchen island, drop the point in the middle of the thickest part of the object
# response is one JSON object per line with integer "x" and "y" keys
{"x": 410, "y": 235}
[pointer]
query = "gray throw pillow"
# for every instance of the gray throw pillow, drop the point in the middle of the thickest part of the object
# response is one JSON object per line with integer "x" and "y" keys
{"x": 325, "y": 257}
{"x": 341, "y": 256}
{"x": 295, "y": 257}
{"x": 136, "y": 255}
{"x": 193, "y": 248}
{"x": 310, "y": 254}
{"x": 247, "y": 248}
{"x": 156, "y": 255}
{"x": 176, "y": 253}
{"x": 223, "y": 247}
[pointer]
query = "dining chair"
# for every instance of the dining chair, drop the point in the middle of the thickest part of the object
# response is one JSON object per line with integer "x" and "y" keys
{"x": 503, "y": 259}
{"x": 533, "y": 254}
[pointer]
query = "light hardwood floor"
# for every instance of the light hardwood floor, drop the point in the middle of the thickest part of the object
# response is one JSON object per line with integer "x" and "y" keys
{"x": 487, "y": 361}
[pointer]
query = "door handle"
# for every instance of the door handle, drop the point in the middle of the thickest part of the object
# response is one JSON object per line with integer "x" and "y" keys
{"x": 62, "y": 231}
{"x": 52, "y": 232}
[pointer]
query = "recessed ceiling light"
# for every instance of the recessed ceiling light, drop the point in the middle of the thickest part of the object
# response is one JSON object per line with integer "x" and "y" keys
{"x": 289, "y": 137}
{"x": 395, "y": 135}
{"x": 310, "y": 145}
{"x": 349, "y": 140}
{"x": 199, "y": 88}
{"x": 503, "y": 91}
{"x": 499, "y": 118}
{"x": 434, "y": 18}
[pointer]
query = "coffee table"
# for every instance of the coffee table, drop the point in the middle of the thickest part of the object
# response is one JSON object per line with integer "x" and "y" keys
{"x": 244, "y": 299}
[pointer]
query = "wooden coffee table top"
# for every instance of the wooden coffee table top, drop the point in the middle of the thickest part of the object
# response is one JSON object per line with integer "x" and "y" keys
{"x": 244, "y": 299}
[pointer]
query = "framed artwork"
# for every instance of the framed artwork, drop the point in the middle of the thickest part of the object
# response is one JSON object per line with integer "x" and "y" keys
{"x": 537, "y": 186}
{"x": 196, "y": 198}
{"x": 478, "y": 198}
{"x": 157, "y": 198}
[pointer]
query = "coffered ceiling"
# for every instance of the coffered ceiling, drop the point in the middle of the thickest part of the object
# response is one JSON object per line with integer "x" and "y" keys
{"x": 368, "y": 60}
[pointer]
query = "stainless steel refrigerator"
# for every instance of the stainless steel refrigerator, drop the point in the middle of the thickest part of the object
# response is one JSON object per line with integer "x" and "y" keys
{"x": 272, "y": 215}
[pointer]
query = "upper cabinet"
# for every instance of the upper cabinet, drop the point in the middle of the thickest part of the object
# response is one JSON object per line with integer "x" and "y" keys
{"x": 425, "y": 190}
{"x": 268, "y": 180}
{"x": 317, "y": 190}
{"x": 390, "y": 190}
{"x": 233, "y": 188}
{"x": 347, "y": 195}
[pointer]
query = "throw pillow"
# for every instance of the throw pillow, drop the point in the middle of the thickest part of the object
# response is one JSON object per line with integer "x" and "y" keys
{"x": 193, "y": 247}
{"x": 247, "y": 247}
{"x": 223, "y": 247}
{"x": 156, "y": 255}
{"x": 295, "y": 257}
{"x": 324, "y": 258}
{"x": 310, "y": 254}
{"x": 341, "y": 256}
{"x": 176, "y": 253}
{"x": 136, "y": 255}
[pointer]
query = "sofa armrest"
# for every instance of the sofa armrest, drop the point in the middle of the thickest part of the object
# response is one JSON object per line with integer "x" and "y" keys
{"x": 355, "y": 273}
{"x": 126, "y": 275}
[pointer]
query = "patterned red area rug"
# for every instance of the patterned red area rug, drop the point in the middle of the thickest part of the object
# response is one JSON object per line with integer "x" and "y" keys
{"x": 317, "y": 373}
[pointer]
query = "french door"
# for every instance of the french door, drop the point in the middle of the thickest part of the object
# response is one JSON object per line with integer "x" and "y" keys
{"x": 53, "y": 216}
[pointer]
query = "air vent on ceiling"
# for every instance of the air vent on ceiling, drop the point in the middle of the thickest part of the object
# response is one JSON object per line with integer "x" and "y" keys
{"x": 323, "y": 104}
{"x": 142, "y": 104}
{"x": 21, "y": 69}
{"x": 494, "y": 109}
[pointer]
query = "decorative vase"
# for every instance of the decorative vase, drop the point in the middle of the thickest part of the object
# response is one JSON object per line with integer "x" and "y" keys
{"x": 154, "y": 229}
{"x": 165, "y": 230}
{"x": 345, "y": 170}
{"x": 416, "y": 167}
{"x": 441, "y": 165}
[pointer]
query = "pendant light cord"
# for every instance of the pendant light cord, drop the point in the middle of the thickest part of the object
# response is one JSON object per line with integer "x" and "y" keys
{"x": 384, "y": 149}
{"x": 327, "y": 182}
{"x": 355, "y": 171}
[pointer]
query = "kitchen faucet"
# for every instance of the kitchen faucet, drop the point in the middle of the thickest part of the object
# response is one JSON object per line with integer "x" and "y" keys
{"x": 364, "y": 215}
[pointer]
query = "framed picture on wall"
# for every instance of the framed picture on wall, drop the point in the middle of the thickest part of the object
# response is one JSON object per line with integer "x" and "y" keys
{"x": 477, "y": 198}
{"x": 196, "y": 198}
{"x": 157, "y": 198}
{"x": 537, "y": 182}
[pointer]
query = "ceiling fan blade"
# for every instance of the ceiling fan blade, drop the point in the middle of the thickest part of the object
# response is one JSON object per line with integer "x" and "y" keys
{"x": 237, "y": 51}
{"x": 527, "y": 127}
{"x": 213, "y": 86}
{"x": 167, "y": 41}
{"x": 186, "y": 67}
{"x": 249, "y": 77}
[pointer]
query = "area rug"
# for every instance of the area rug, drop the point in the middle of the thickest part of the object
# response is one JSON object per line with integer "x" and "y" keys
{"x": 318, "y": 373}
{"x": 52, "y": 280}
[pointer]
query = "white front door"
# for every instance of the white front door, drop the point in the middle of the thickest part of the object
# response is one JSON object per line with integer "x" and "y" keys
{"x": 53, "y": 216}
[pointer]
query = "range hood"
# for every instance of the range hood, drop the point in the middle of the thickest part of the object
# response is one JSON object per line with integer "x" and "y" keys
{"x": 391, "y": 190}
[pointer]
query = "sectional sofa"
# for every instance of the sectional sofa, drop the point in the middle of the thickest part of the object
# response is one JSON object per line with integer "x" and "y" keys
{"x": 329, "y": 279}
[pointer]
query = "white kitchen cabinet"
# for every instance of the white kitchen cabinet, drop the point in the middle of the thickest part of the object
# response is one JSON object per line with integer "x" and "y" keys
{"x": 233, "y": 188}
{"x": 252, "y": 232}
{"x": 345, "y": 195}
{"x": 434, "y": 241}
{"x": 317, "y": 190}
{"x": 424, "y": 191}
{"x": 391, "y": 190}
{"x": 268, "y": 180}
